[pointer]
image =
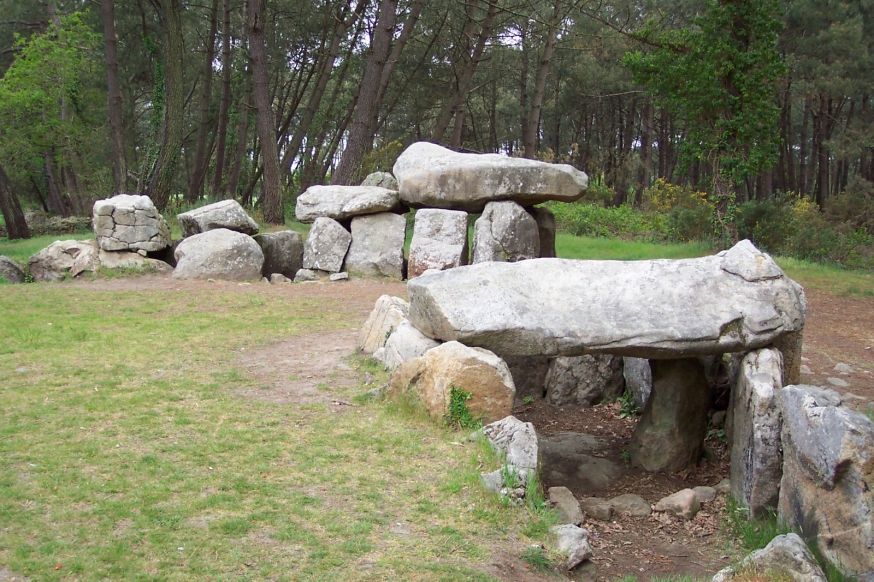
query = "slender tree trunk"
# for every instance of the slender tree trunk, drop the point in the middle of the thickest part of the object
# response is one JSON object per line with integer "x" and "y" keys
{"x": 10, "y": 208}
{"x": 201, "y": 155}
{"x": 225, "y": 106}
{"x": 113, "y": 97}
{"x": 56, "y": 202}
{"x": 242, "y": 138}
{"x": 646, "y": 122}
{"x": 271, "y": 201}
{"x": 161, "y": 181}
{"x": 360, "y": 134}
{"x": 803, "y": 162}
{"x": 530, "y": 133}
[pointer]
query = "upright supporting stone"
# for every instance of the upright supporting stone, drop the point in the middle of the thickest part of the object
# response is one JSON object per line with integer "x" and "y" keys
{"x": 790, "y": 347}
{"x": 546, "y": 227}
{"x": 756, "y": 455}
{"x": 439, "y": 241}
{"x": 670, "y": 434}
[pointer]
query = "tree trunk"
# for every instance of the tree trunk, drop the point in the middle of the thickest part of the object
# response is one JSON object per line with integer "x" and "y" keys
{"x": 271, "y": 202}
{"x": 225, "y": 106}
{"x": 113, "y": 97}
{"x": 201, "y": 155}
{"x": 646, "y": 122}
{"x": 530, "y": 133}
{"x": 360, "y": 134}
{"x": 161, "y": 181}
{"x": 16, "y": 226}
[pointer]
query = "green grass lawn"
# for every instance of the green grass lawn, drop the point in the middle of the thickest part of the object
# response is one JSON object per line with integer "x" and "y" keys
{"x": 127, "y": 453}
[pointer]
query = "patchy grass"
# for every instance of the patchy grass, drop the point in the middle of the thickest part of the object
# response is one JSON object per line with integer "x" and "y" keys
{"x": 829, "y": 278}
{"x": 125, "y": 452}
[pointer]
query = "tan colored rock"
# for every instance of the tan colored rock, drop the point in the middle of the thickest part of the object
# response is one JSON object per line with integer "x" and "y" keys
{"x": 683, "y": 504}
{"x": 386, "y": 316}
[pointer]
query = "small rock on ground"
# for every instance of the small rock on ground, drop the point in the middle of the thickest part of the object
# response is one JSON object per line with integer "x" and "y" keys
{"x": 573, "y": 543}
{"x": 704, "y": 494}
{"x": 837, "y": 382}
{"x": 566, "y": 505}
{"x": 597, "y": 508}
{"x": 683, "y": 504}
{"x": 630, "y": 504}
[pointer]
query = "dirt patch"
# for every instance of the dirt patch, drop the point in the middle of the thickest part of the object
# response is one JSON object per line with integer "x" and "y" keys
{"x": 9, "y": 576}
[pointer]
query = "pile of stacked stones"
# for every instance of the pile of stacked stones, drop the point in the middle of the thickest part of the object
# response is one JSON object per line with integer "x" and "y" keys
{"x": 361, "y": 229}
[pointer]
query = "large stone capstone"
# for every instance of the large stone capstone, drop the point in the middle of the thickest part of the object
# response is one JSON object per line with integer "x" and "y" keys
{"x": 129, "y": 222}
{"x": 737, "y": 300}
{"x": 431, "y": 175}
{"x": 341, "y": 202}
{"x": 223, "y": 214}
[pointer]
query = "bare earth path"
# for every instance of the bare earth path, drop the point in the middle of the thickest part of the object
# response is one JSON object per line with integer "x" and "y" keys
{"x": 303, "y": 369}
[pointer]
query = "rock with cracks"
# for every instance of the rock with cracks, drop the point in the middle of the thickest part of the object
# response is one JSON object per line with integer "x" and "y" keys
{"x": 342, "y": 202}
{"x": 638, "y": 379}
{"x": 129, "y": 222}
{"x": 517, "y": 441}
{"x": 283, "y": 252}
{"x": 387, "y": 315}
{"x": 405, "y": 343}
{"x": 377, "y": 248}
{"x": 63, "y": 258}
{"x": 475, "y": 371}
{"x": 226, "y": 214}
{"x": 219, "y": 254}
{"x": 505, "y": 232}
{"x": 584, "y": 380}
{"x": 573, "y": 543}
{"x": 827, "y": 488}
{"x": 439, "y": 241}
{"x": 756, "y": 452}
{"x": 737, "y": 300}
{"x": 785, "y": 556}
{"x": 326, "y": 246}
{"x": 431, "y": 175}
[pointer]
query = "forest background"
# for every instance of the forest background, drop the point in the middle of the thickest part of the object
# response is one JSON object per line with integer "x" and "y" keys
{"x": 711, "y": 120}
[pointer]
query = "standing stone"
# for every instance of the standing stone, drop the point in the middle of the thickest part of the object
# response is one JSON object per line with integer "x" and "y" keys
{"x": 545, "y": 220}
{"x": 63, "y": 258}
{"x": 431, "y": 175}
{"x": 224, "y": 214}
{"x": 387, "y": 315}
{"x": 381, "y": 179}
{"x": 129, "y": 222}
{"x": 529, "y": 376}
{"x": 584, "y": 380}
{"x": 377, "y": 248}
{"x": 638, "y": 379}
{"x": 756, "y": 453}
{"x": 827, "y": 489}
{"x": 517, "y": 442}
{"x": 505, "y": 233}
{"x": 478, "y": 372}
{"x": 342, "y": 202}
{"x": 326, "y": 246}
{"x": 11, "y": 271}
{"x": 219, "y": 254}
{"x": 405, "y": 343}
{"x": 439, "y": 241}
{"x": 283, "y": 252}
{"x": 670, "y": 434}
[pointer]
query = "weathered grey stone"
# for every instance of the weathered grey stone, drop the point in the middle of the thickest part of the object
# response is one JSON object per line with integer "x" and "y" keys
{"x": 377, "y": 248}
{"x": 283, "y": 252}
{"x": 505, "y": 232}
{"x": 670, "y": 434}
{"x": 387, "y": 315}
{"x": 651, "y": 309}
{"x": 305, "y": 275}
{"x": 827, "y": 489}
{"x": 278, "y": 278}
{"x": 404, "y": 343}
{"x": 584, "y": 380}
{"x": 837, "y": 382}
{"x": 785, "y": 555}
{"x": 326, "y": 246}
{"x": 842, "y": 368}
{"x": 493, "y": 481}
{"x": 381, "y": 179}
{"x": 723, "y": 487}
{"x": 129, "y": 222}
{"x": 219, "y": 254}
{"x": 683, "y": 504}
{"x": 63, "y": 258}
{"x": 638, "y": 379}
{"x": 439, "y": 241}
{"x": 565, "y": 504}
{"x": 756, "y": 454}
{"x": 573, "y": 543}
{"x": 130, "y": 260}
{"x": 344, "y": 276}
{"x": 430, "y": 175}
{"x": 342, "y": 202}
{"x": 226, "y": 214}
{"x": 630, "y": 504}
{"x": 517, "y": 441}
{"x": 478, "y": 372}
{"x": 11, "y": 271}
{"x": 546, "y": 228}
{"x": 597, "y": 508}
{"x": 704, "y": 493}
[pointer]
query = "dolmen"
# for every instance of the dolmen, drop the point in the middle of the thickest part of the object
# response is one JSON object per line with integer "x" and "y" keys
{"x": 361, "y": 229}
